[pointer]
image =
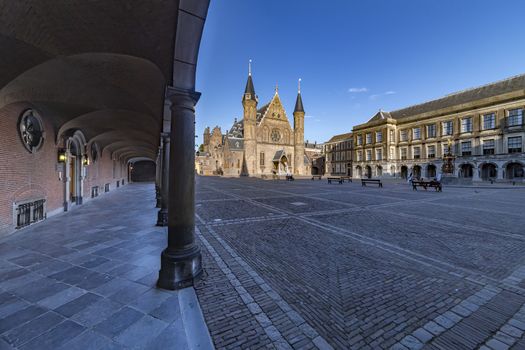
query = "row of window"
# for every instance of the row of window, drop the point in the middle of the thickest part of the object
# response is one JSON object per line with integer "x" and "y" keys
{"x": 338, "y": 146}
{"x": 514, "y": 145}
{"x": 488, "y": 122}
{"x": 339, "y": 156}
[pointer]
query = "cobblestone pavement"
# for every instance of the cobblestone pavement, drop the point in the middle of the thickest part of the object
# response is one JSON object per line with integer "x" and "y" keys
{"x": 305, "y": 264}
{"x": 86, "y": 280}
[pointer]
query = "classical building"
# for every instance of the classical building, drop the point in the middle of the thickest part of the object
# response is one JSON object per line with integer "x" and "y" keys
{"x": 262, "y": 143}
{"x": 484, "y": 127}
{"x": 314, "y": 158}
{"x": 339, "y": 153}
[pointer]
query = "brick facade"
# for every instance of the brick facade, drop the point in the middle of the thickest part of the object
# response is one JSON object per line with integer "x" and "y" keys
{"x": 29, "y": 176}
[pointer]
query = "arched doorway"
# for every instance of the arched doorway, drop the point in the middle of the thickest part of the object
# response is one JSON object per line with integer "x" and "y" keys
{"x": 466, "y": 170}
{"x": 359, "y": 171}
{"x": 431, "y": 171}
{"x": 404, "y": 172}
{"x": 368, "y": 171}
{"x": 488, "y": 171}
{"x": 514, "y": 170}
{"x": 416, "y": 172}
{"x": 281, "y": 167}
{"x": 73, "y": 172}
{"x": 379, "y": 170}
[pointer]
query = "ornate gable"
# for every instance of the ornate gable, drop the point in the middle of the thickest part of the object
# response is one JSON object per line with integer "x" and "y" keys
{"x": 274, "y": 111}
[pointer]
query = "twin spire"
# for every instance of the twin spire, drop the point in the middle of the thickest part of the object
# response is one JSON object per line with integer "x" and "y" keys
{"x": 249, "y": 91}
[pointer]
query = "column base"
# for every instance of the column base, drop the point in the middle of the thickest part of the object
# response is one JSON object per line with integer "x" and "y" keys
{"x": 179, "y": 269}
{"x": 162, "y": 217}
{"x": 159, "y": 203}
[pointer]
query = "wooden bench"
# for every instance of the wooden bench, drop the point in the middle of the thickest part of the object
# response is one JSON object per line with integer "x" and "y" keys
{"x": 334, "y": 179}
{"x": 425, "y": 184}
{"x": 371, "y": 181}
{"x": 317, "y": 176}
{"x": 347, "y": 178}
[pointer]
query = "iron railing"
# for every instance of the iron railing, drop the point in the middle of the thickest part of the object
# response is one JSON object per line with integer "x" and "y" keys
{"x": 30, "y": 212}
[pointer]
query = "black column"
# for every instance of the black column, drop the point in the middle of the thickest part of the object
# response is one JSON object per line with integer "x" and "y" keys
{"x": 181, "y": 261}
{"x": 158, "y": 176}
{"x": 162, "y": 217}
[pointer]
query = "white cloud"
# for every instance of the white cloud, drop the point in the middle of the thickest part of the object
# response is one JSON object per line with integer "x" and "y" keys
{"x": 375, "y": 96}
{"x": 362, "y": 89}
{"x": 308, "y": 116}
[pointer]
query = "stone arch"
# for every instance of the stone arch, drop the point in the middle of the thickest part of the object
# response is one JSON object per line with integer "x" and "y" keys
{"x": 416, "y": 172}
{"x": 368, "y": 171}
{"x": 404, "y": 172}
{"x": 488, "y": 171}
{"x": 514, "y": 170}
{"x": 431, "y": 170}
{"x": 359, "y": 171}
{"x": 466, "y": 170}
{"x": 379, "y": 171}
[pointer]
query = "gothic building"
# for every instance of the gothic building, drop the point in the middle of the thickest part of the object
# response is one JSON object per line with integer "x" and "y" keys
{"x": 262, "y": 143}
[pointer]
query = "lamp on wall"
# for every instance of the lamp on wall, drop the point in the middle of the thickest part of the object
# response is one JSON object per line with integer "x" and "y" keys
{"x": 62, "y": 156}
{"x": 85, "y": 160}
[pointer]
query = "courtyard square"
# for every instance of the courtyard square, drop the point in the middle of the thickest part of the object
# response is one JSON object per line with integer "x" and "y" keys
{"x": 305, "y": 264}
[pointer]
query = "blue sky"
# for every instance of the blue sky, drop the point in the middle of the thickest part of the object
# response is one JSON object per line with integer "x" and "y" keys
{"x": 354, "y": 57}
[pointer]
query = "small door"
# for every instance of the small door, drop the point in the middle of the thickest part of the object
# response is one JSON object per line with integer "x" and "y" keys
{"x": 73, "y": 178}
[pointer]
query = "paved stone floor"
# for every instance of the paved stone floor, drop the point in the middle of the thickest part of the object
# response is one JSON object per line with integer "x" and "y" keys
{"x": 86, "y": 280}
{"x": 288, "y": 265}
{"x": 305, "y": 265}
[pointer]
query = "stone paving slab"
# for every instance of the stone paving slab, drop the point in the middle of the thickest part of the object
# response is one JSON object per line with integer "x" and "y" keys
{"x": 86, "y": 279}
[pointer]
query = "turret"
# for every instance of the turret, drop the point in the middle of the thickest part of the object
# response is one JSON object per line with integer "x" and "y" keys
{"x": 206, "y": 139}
{"x": 298, "y": 126}
{"x": 249, "y": 103}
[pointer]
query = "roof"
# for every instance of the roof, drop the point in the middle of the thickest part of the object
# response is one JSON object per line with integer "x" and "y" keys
{"x": 236, "y": 144}
{"x": 237, "y": 129}
{"x": 249, "y": 86}
{"x": 341, "y": 137}
{"x": 380, "y": 116}
{"x": 299, "y": 104}
{"x": 493, "y": 89}
{"x": 278, "y": 155}
{"x": 262, "y": 111}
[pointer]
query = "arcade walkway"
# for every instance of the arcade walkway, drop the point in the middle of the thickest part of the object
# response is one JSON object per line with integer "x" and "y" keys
{"x": 86, "y": 280}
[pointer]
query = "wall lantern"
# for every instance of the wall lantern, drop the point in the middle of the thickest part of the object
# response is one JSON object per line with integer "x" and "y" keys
{"x": 85, "y": 160}
{"x": 62, "y": 156}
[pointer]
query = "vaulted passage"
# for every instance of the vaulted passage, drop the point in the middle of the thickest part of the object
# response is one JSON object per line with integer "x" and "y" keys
{"x": 94, "y": 95}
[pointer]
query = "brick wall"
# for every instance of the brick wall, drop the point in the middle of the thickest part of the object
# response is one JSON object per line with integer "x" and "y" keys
{"x": 25, "y": 176}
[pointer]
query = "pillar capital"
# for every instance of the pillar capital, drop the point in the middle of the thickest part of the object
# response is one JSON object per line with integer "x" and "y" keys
{"x": 165, "y": 137}
{"x": 182, "y": 98}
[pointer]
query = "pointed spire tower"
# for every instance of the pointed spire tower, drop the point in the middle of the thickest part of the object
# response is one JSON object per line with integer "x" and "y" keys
{"x": 249, "y": 103}
{"x": 249, "y": 91}
{"x": 298, "y": 126}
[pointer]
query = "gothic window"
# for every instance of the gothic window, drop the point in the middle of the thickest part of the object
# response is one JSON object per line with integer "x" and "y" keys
{"x": 286, "y": 136}
{"x": 276, "y": 135}
{"x": 31, "y": 130}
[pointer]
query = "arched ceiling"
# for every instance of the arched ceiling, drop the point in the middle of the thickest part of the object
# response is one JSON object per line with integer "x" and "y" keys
{"x": 100, "y": 66}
